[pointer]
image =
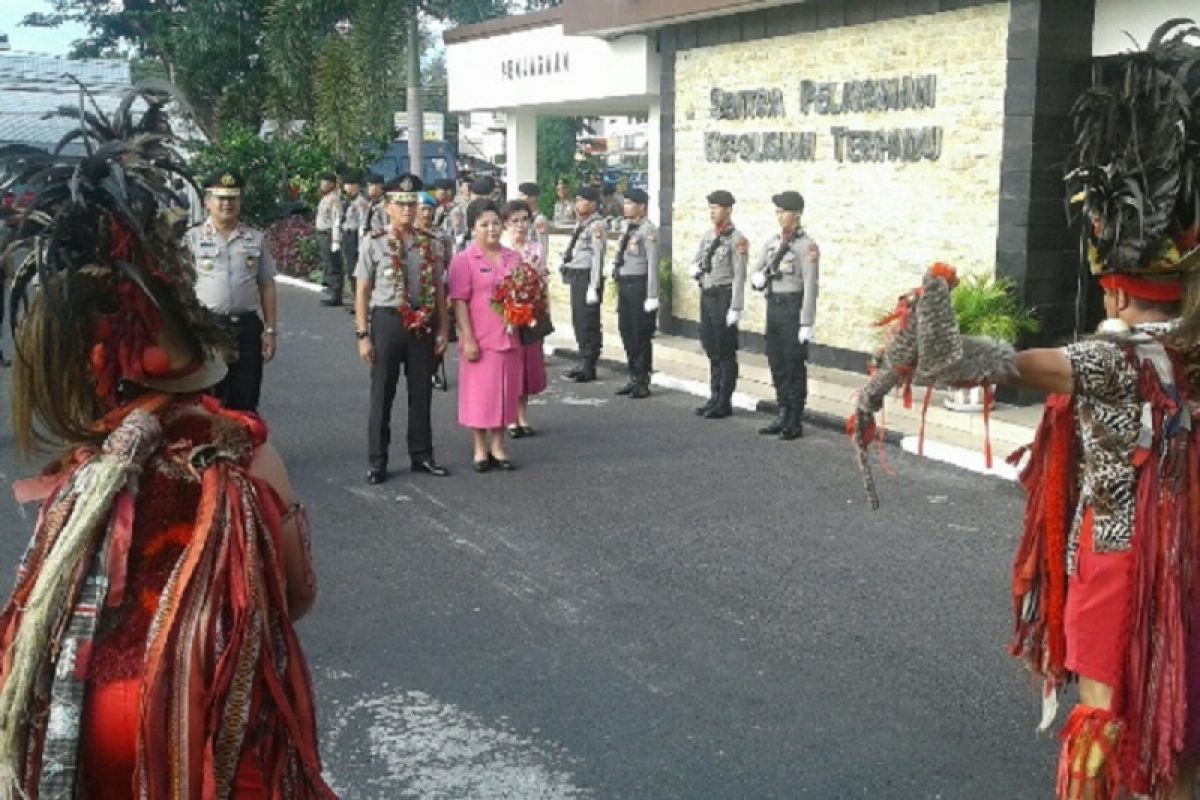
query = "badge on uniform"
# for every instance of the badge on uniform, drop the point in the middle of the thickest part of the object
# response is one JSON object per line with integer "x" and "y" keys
{"x": 251, "y": 264}
{"x": 635, "y": 247}
{"x": 206, "y": 265}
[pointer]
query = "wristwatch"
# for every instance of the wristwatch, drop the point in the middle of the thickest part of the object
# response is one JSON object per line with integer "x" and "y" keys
{"x": 268, "y": 331}
{"x": 362, "y": 334}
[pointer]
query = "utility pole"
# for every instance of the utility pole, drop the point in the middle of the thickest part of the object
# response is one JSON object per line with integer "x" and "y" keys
{"x": 416, "y": 121}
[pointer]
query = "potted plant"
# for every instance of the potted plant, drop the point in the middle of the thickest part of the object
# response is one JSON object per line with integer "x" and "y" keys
{"x": 987, "y": 306}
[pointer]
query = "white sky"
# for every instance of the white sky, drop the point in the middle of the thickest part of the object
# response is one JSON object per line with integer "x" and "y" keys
{"x": 52, "y": 41}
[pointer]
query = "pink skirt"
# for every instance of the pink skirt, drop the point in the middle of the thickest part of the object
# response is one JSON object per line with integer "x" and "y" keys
{"x": 534, "y": 377}
{"x": 489, "y": 389}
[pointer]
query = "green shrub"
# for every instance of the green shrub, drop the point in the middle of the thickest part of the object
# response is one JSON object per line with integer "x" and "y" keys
{"x": 988, "y": 306}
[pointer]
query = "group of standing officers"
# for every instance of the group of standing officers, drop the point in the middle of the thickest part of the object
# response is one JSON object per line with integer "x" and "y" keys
{"x": 236, "y": 279}
{"x": 786, "y": 272}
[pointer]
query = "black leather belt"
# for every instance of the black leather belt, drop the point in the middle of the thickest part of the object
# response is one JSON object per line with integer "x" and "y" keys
{"x": 631, "y": 278}
{"x": 239, "y": 317}
{"x": 728, "y": 287}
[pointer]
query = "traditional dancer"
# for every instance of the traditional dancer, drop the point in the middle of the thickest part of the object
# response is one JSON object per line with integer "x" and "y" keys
{"x": 1105, "y": 580}
{"x": 147, "y": 650}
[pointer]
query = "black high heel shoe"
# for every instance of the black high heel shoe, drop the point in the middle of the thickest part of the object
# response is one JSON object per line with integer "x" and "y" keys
{"x": 484, "y": 465}
{"x": 501, "y": 463}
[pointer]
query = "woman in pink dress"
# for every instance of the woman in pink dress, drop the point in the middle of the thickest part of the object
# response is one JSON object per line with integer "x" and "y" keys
{"x": 489, "y": 367}
{"x": 518, "y": 218}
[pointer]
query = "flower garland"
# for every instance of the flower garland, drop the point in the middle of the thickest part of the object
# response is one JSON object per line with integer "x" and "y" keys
{"x": 418, "y": 318}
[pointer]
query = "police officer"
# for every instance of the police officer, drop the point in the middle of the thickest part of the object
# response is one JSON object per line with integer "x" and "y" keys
{"x": 539, "y": 231}
{"x": 235, "y": 278}
{"x": 582, "y": 270}
{"x": 354, "y": 218}
{"x": 395, "y": 266}
{"x": 443, "y": 194}
{"x": 787, "y": 272}
{"x": 377, "y": 218}
{"x": 720, "y": 269}
{"x": 636, "y": 273}
{"x": 329, "y": 238}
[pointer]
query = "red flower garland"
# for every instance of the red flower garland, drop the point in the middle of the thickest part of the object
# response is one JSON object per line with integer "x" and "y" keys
{"x": 417, "y": 318}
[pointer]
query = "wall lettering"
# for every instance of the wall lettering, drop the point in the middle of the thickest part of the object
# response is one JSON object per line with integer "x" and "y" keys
{"x": 855, "y": 146}
{"x": 750, "y": 104}
{"x": 531, "y": 66}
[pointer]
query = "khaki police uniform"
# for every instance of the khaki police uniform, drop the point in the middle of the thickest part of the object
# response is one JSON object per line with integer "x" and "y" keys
{"x": 720, "y": 265}
{"x": 329, "y": 236}
{"x": 636, "y": 273}
{"x": 230, "y": 276}
{"x": 582, "y": 270}
{"x": 354, "y": 219}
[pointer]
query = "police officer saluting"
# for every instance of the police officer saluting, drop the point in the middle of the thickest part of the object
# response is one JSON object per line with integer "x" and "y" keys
{"x": 720, "y": 269}
{"x": 235, "y": 278}
{"x": 787, "y": 272}
{"x": 636, "y": 273}
{"x": 582, "y": 270}
{"x": 400, "y": 310}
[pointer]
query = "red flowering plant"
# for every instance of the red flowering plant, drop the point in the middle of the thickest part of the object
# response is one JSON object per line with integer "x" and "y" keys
{"x": 293, "y": 245}
{"x": 520, "y": 297}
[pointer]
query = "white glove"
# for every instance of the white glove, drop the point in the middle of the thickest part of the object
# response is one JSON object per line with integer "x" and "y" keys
{"x": 732, "y": 317}
{"x": 697, "y": 271}
{"x": 335, "y": 247}
{"x": 805, "y": 334}
{"x": 593, "y": 296}
{"x": 651, "y": 305}
{"x": 758, "y": 281}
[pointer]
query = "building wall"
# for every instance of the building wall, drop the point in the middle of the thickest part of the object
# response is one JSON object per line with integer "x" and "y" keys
{"x": 879, "y": 223}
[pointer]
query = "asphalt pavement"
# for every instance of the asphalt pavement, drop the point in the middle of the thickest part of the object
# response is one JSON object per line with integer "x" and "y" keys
{"x": 651, "y": 606}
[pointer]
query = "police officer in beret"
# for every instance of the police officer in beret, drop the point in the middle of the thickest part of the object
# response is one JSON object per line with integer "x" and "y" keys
{"x": 787, "y": 272}
{"x": 442, "y": 190}
{"x": 235, "y": 278}
{"x": 528, "y": 193}
{"x": 329, "y": 238}
{"x": 635, "y": 269}
{"x": 401, "y": 321}
{"x": 354, "y": 218}
{"x": 377, "y": 219}
{"x": 582, "y": 270}
{"x": 720, "y": 269}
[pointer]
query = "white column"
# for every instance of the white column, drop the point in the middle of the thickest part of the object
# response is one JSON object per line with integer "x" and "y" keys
{"x": 654, "y": 168}
{"x": 520, "y": 149}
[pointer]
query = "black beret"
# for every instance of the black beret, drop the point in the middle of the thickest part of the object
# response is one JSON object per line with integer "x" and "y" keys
{"x": 352, "y": 176}
{"x": 529, "y": 189}
{"x": 224, "y": 179}
{"x": 720, "y": 198}
{"x": 638, "y": 196}
{"x": 329, "y": 176}
{"x": 482, "y": 186}
{"x": 375, "y": 177}
{"x": 444, "y": 184}
{"x": 788, "y": 201}
{"x": 589, "y": 193}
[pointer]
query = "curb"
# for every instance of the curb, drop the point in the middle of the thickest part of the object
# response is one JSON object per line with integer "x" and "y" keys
{"x": 299, "y": 283}
{"x": 741, "y": 400}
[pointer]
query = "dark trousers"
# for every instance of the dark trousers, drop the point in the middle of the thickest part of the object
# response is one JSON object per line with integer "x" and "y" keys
{"x": 396, "y": 347}
{"x": 349, "y": 254}
{"x": 637, "y": 327}
{"x": 331, "y": 263}
{"x": 242, "y": 385}
{"x": 787, "y": 358}
{"x": 585, "y": 319}
{"x": 720, "y": 342}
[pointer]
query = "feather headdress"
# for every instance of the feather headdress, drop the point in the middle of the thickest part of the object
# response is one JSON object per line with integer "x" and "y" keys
{"x": 1134, "y": 168}
{"x": 101, "y": 263}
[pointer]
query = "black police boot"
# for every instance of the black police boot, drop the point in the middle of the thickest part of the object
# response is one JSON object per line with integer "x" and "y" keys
{"x": 775, "y": 426}
{"x": 641, "y": 390}
{"x": 628, "y": 387}
{"x": 704, "y": 409}
{"x": 587, "y": 372}
{"x": 714, "y": 388}
{"x": 573, "y": 372}
{"x": 794, "y": 426}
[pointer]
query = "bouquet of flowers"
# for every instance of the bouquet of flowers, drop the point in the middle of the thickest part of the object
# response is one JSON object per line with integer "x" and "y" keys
{"x": 520, "y": 298}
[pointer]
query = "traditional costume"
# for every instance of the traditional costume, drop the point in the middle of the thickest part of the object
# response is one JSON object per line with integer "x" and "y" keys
{"x": 147, "y": 650}
{"x": 1105, "y": 578}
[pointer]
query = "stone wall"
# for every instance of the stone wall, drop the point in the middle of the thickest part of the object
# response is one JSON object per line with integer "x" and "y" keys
{"x": 880, "y": 214}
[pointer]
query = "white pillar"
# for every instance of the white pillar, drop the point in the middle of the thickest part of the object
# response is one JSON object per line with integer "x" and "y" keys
{"x": 520, "y": 149}
{"x": 653, "y": 154}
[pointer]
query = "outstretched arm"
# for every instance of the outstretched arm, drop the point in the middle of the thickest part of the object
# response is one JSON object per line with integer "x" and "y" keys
{"x": 1046, "y": 369}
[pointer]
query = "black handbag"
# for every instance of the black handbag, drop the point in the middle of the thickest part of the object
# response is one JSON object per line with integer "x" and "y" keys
{"x": 530, "y": 334}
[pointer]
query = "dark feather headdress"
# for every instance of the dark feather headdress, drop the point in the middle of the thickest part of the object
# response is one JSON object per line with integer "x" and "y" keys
{"x": 102, "y": 292}
{"x": 1134, "y": 169}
